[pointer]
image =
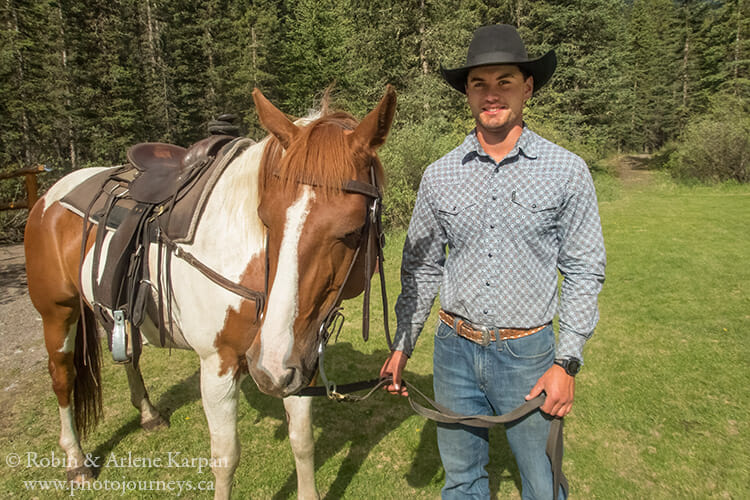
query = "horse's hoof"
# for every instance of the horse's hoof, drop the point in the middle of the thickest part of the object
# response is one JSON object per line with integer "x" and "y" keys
{"x": 80, "y": 475}
{"x": 155, "y": 424}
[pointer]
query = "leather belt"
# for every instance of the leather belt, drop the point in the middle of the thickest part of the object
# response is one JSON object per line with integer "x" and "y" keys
{"x": 481, "y": 334}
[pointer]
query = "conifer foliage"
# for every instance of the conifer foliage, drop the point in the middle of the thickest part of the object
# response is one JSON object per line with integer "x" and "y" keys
{"x": 80, "y": 81}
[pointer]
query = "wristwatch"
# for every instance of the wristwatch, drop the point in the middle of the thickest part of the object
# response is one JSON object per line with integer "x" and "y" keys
{"x": 571, "y": 365}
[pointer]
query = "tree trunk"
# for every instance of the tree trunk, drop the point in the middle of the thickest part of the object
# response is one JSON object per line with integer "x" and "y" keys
{"x": 72, "y": 149}
{"x": 737, "y": 52}
{"x": 519, "y": 13}
{"x": 686, "y": 58}
{"x": 20, "y": 73}
{"x": 254, "y": 55}
{"x": 156, "y": 70}
{"x": 423, "y": 51}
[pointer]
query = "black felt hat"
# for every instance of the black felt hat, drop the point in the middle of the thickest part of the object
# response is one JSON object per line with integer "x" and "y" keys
{"x": 500, "y": 44}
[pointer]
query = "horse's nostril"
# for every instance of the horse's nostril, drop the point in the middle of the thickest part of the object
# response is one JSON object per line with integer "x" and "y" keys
{"x": 288, "y": 378}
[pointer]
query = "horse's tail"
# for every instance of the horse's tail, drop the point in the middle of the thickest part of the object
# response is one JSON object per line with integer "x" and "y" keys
{"x": 87, "y": 387}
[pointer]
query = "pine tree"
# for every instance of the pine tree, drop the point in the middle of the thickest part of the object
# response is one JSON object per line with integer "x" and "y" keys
{"x": 584, "y": 100}
{"x": 250, "y": 45}
{"x": 315, "y": 52}
{"x": 33, "y": 128}
{"x": 653, "y": 62}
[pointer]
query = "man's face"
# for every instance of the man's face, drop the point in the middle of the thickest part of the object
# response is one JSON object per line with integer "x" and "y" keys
{"x": 496, "y": 96}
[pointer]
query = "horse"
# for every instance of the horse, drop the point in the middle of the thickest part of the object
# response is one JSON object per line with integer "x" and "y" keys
{"x": 280, "y": 220}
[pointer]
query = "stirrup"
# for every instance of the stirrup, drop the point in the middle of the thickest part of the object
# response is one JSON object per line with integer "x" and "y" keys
{"x": 121, "y": 337}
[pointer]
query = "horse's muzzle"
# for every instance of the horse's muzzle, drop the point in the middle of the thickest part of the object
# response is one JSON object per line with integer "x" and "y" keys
{"x": 288, "y": 382}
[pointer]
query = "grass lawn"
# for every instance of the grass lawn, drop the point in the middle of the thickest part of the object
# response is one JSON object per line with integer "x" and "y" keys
{"x": 661, "y": 410}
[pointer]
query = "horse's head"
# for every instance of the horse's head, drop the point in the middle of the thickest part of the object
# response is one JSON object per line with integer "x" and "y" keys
{"x": 315, "y": 227}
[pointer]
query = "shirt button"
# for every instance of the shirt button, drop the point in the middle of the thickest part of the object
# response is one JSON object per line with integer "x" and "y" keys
{"x": 494, "y": 197}
{"x": 492, "y": 226}
{"x": 485, "y": 311}
{"x": 488, "y": 283}
{"x": 489, "y": 255}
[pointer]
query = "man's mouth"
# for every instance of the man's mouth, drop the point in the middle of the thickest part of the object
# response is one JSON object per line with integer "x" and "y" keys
{"x": 493, "y": 110}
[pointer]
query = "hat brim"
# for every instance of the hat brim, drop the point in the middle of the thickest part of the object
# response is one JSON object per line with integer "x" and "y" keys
{"x": 541, "y": 69}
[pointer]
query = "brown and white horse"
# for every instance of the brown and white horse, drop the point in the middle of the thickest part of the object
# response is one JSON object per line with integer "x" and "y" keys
{"x": 282, "y": 197}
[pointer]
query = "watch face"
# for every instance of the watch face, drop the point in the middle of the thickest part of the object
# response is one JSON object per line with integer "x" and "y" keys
{"x": 574, "y": 366}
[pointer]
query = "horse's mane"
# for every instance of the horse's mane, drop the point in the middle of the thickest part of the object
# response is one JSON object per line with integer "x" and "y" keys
{"x": 320, "y": 155}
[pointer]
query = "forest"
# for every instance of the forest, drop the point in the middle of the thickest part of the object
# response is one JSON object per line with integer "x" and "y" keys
{"x": 82, "y": 80}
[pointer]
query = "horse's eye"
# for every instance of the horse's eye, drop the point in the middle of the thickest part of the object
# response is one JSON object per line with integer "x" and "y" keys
{"x": 352, "y": 238}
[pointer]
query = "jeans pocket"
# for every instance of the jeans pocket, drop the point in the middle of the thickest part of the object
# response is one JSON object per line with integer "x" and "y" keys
{"x": 533, "y": 346}
{"x": 444, "y": 331}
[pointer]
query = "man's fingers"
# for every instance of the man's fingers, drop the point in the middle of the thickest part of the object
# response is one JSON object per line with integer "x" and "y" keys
{"x": 392, "y": 368}
{"x": 534, "y": 392}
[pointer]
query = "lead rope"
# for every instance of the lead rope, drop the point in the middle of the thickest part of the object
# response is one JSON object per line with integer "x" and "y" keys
{"x": 554, "y": 448}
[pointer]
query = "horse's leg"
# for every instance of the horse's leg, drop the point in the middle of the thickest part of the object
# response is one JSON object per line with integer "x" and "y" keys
{"x": 299, "y": 417}
{"x": 59, "y": 336}
{"x": 219, "y": 393}
{"x": 150, "y": 418}
{"x": 52, "y": 246}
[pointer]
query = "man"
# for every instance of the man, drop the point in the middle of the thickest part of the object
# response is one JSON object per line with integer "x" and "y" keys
{"x": 512, "y": 209}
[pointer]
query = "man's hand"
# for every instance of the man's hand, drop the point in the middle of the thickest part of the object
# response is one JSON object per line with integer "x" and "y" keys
{"x": 560, "y": 389}
{"x": 393, "y": 367}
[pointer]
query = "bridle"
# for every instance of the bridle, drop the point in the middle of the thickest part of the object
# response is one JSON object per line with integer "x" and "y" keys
{"x": 372, "y": 232}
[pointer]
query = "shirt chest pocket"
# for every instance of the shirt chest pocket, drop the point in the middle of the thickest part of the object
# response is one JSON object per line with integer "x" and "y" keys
{"x": 533, "y": 213}
{"x": 457, "y": 218}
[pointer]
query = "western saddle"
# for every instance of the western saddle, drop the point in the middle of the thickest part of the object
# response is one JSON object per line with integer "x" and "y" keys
{"x": 157, "y": 197}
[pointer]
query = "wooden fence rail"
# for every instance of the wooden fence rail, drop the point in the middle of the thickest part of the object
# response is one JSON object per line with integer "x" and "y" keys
{"x": 31, "y": 187}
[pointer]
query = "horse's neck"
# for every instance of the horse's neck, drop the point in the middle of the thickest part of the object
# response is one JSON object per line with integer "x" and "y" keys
{"x": 230, "y": 233}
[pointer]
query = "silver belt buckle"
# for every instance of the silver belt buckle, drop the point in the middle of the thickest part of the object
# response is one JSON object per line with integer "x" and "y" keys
{"x": 486, "y": 334}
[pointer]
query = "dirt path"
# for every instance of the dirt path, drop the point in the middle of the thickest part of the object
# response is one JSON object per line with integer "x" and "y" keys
{"x": 633, "y": 171}
{"x": 22, "y": 354}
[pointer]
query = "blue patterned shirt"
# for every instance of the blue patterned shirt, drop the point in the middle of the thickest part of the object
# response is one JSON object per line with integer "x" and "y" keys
{"x": 508, "y": 227}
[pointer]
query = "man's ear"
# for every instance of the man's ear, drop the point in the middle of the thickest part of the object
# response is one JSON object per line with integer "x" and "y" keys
{"x": 528, "y": 88}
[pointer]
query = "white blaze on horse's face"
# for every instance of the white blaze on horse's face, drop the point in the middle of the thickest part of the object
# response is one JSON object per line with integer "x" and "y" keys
{"x": 311, "y": 232}
{"x": 277, "y": 332}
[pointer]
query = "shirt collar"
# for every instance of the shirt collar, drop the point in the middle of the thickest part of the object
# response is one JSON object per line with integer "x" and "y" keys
{"x": 526, "y": 146}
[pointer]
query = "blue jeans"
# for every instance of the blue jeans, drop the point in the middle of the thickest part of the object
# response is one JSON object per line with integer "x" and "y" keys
{"x": 476, "y": 380}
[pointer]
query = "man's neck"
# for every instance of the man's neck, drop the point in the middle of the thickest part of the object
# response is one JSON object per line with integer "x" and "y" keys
{"x": 498, "y": 144}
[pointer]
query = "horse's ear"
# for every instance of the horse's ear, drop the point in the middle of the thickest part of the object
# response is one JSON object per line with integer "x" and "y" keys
{"x": 371, "y": 133}
{"x": 274, "y": 120}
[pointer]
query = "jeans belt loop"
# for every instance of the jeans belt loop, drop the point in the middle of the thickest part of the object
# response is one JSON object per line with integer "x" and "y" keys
{"x": 457, "y": 323}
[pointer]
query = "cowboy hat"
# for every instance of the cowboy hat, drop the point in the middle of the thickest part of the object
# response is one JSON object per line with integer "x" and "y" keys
{"x": 500, "y": 44}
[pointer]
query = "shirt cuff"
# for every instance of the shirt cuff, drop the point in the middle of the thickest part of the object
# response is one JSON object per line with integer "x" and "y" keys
{"x": 570, "y": 346}
{"x": 405, "y": 339}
